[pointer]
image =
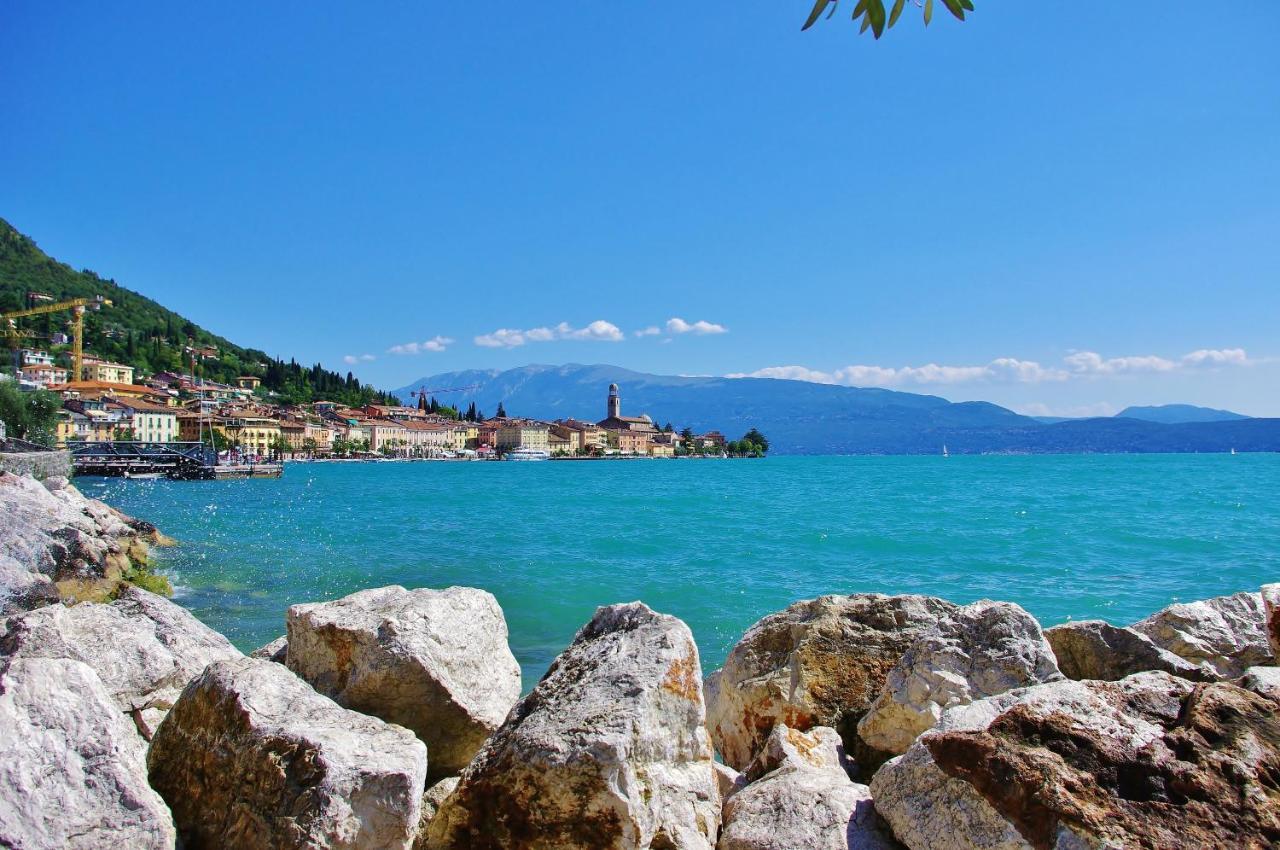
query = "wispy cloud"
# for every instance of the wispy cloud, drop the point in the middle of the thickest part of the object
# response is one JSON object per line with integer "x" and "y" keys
{"x": 353, "y": 359}
{"x": 701, "y": 328}
{"x": 436, "y": 344}
{"x": 1006, "y": 370}
{"x": 598, "y": 331}
{"x": 652, "y": 330}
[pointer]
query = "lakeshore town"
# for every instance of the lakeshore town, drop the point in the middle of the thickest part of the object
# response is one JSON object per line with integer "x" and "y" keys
{"x": 107, "y": 404}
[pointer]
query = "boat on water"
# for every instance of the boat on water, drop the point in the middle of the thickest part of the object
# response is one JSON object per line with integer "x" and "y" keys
{"x": 143, "y": 476}
{"x": 525, "y": 453}
{"x": 945, "y": 453}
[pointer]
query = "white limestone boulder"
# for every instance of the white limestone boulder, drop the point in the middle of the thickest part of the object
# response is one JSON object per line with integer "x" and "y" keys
{"x": 73, "y": 772}
{"x": 821, "y": 662}
{"x": 1223, "y": 636}
{"x": 978, "y": 651}
{"x": 143, "y": 647}
{"x": 610, "y": 750}
{"x": 1264, "y": 681}
{"x": 251, "y": 757}
{"x": 277, "y": 650}
{"x": 1271, "y": 616}
{"x": 434, "y": 661}
{"x": 432, "y": 799}
{"x": 56, "y": 543}
{"x": 1151, "y": 760}
{"x": 800, "y": 797}
{"x": 1095, "y": 649}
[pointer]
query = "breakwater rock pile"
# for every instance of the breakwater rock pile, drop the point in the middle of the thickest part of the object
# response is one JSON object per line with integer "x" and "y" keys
{"x": 392, "y": 718}
{"x": 57, "y": 544}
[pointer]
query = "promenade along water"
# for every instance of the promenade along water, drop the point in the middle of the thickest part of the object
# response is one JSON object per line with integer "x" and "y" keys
{"x": 719, "y": 544}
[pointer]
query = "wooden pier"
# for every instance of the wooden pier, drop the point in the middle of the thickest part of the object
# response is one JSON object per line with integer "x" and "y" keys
{"x": 186, "y": 461}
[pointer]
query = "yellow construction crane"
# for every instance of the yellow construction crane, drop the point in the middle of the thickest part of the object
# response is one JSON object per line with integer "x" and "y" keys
{"x": 77, "y": 306}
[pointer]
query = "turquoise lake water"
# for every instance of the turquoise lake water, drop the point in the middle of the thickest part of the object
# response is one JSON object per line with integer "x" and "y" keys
{"x": 719, "y": 543}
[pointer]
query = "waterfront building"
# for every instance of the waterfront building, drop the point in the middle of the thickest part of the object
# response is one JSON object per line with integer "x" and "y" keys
{"x": 561, "y": 440}
{"x": 149, "y": 423}
{"x": 591, "y": 438}
{"x": 293, "y": 432}
{"x": 713, "y": 438}
{"x": 486, "y": 434}
{"x": 255, "y": 435}
{"x": 628, "y": 442}
{"x": 321, "y": 432}
{"x": 385, "y": 433}
{"x": 523, "y": 434}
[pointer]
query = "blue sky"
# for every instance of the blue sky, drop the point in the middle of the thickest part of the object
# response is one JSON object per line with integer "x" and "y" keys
{"x": 1063, "y": 208}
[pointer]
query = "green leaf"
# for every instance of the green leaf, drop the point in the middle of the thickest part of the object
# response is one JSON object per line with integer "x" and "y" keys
{"x": 897, "y": 10}
{"x": 928, "y": 12}
{"x": 859, "y": 9}
{"x": 875, "y": 14}
{"x": 955, "y": 8}
{"x": 866, "y": 22}
{"x": 967, "y": 4}
{"x": 813, "y": 15}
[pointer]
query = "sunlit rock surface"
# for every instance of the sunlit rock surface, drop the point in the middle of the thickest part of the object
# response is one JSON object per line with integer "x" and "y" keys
{"x": 73, "y": 771}
{"x": 251, "y": 757}
{"x": 610, "y": 750}
{"x": 434, "y": 661}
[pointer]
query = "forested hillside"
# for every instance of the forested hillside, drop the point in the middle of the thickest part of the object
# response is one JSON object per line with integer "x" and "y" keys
{"x": 141, "y": 333}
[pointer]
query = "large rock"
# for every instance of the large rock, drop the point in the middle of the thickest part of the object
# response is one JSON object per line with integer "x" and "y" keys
{"x": 431, "y": 802}
{"x": 55, "y": 543}
{"x": 434, "y": 661}
{"x": 1271, "y": 615}
{"x": 277, "y": 650}
{"x": 1263, "y": 681}
{"x": 801, "y": 798}
{"x": 817, "y": 663}
{"x": 144, "y": 647}
{"x": 980, "y": 650}
{"x": 1223, "y": 636}
{"x": 609, "y": 752}
{"x": 1149, "y": 761}
{"x": 1095, "y": 649}
{"x": 72, "y": 771}
{"x": 251, "y": 757}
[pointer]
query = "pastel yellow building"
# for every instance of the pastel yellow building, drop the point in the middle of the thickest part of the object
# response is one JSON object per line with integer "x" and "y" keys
{"x": 523, "y": 434}
{"x": 102, "y": 370}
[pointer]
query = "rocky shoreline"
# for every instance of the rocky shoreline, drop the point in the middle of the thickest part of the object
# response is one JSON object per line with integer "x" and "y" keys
{"x": 392, "y": 718}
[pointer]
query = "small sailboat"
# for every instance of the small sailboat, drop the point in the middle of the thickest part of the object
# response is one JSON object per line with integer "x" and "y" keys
{"x": 1233, "y": 450}
{"x": 945, "y": 453}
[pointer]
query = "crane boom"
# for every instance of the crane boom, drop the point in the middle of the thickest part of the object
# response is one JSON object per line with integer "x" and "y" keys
{"x": 77, "y": 307}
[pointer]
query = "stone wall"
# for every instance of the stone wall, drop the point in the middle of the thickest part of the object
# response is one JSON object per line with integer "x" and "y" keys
{"x": 39, "y": 465}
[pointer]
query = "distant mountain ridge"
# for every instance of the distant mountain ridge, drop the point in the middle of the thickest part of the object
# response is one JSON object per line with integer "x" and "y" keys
{"x": 807, "y": 418}
{"x": 1172, "y": 414}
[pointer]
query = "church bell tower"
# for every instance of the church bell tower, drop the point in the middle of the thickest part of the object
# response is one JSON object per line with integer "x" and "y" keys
{"x": 615, "y": 403}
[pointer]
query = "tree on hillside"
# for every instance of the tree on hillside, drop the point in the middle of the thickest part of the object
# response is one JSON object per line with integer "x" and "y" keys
{"x": 756, "y": 438}
{"x": 502, "y": 411}
{"x": 875, "y": 18}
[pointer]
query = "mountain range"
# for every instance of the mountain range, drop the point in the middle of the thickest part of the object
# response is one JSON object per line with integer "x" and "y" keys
{"x": 800, "y": 417}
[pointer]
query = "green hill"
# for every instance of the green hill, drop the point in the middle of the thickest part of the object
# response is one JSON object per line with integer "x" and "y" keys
{"x": 141, "y": 333}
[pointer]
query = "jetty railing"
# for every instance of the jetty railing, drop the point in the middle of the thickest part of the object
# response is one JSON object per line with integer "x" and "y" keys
{"x": 120, "y": 457}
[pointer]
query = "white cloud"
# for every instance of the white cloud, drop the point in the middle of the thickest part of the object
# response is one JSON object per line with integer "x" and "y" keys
{"x": 353, "y": 359}
{"x": 436, "y": 343}
{"x": 700, "y": 327}
{"x": 599, "y": 331}
{"x": 1005, "y": 370}
{"x": 1216, "y": 357}
{"x": 652, "y": 330}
